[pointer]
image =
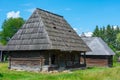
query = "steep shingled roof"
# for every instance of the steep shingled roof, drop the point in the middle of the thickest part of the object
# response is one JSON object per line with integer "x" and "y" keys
{"x": 46, "y": 31}
{"x": 98, "y": 46}
{"x": 2, "y": 47}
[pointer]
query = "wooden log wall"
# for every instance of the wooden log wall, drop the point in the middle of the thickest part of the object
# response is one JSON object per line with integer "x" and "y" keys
{"x": 96, "y": 62}
{"x": 25, "y": 63}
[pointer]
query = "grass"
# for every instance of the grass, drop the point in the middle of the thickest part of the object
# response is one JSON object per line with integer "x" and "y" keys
{"x": 95, "y": 73}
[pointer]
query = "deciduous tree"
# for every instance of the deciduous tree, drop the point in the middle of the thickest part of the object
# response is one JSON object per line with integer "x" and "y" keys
{"x": 9, "y": 28}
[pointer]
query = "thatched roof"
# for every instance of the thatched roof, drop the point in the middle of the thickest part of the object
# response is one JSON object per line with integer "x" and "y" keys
{"x": 98, "y": 46}
{"x": 46, "y": 31}
{"x": 2, "y": 48}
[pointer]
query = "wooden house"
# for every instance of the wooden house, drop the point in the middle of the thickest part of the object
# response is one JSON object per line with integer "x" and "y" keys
{"x": 100, "y": 54}
{"x": 46, "y": 42}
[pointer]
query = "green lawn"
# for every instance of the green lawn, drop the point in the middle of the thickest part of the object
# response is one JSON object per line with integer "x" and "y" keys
{"x": 88, "y": 74}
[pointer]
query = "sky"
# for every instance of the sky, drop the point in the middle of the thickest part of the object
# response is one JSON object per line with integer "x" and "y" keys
{"x": 82, "y": 15}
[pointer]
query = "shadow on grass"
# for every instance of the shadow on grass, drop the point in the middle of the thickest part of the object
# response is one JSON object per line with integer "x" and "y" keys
{"x": 1, "y": 75}
{"x": 90, "y": 67}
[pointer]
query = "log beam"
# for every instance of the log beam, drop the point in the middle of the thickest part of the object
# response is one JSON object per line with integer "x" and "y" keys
{"x": 49, "y": 59}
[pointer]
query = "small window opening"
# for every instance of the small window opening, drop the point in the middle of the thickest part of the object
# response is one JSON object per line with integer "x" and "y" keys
{"x": 69, "y": 31}
{"x": 54, "y": 27}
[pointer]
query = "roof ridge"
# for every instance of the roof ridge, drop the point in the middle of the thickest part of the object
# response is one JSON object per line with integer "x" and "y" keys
{"x": 49, "y": 12}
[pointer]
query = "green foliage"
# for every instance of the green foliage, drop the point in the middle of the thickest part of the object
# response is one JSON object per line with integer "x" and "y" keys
{"x": 9, "y": 28}
{"x": 108, "y": 34}
{"x": 118, "y": 40}
{"x": 95, "y": 73}
{"x": 116, "y": 56}
{"x": 96, "y": 32}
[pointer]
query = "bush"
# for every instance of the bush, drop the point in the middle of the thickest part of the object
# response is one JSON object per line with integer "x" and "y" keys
{"x": 116, "y": 57}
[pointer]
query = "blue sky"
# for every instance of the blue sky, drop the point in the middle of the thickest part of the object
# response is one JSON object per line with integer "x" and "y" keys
{"x": 82, "y": 15}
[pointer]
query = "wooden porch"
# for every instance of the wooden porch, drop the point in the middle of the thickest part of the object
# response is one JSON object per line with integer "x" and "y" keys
{"x": 67, "y": 60}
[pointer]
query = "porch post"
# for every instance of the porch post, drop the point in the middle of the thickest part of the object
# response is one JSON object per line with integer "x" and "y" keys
{"x": 65, "y": 60}
{"x": 1, "y": 56}
{"x": 9, "y": 62}
{"x": 49, "y": 59}
{"x": 57, "y": 58}
{"x": 84, "y": 58}
{"x": 79, "y": 55}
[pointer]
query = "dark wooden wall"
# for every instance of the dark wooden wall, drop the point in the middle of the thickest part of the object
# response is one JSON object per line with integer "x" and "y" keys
{"x": 28, "y": 60}
{"x": 0, "y": 56}
{"x": 99, "y": 60}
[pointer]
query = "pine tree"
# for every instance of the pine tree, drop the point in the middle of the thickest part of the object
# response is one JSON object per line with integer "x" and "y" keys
{"x": 96, "y": 32}
{"x": 104, "y": 33}
{"x": 108, "y": 34}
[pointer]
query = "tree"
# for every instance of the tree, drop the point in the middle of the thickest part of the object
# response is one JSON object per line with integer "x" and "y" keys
{"x": 118, "y": 40}
{"x": 108, "y": 34}
{"x": 96, "y": 32}
{"x": 9, "y": 28}
{"x": 104, "y": 33}
{"x": 101, "y": 33}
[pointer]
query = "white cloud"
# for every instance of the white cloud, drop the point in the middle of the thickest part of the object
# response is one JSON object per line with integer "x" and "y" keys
{"x": 13, "y": 14}
{"x": 115, "y": 27}
{"x": 78, "y": 29}
{"x": 30, "y": 10}
{"x": 88, "y": 34}
{"x": 75, "y": 29}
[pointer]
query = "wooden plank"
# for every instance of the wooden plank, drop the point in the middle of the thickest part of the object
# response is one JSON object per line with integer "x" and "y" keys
{"x": 49, "y": 59}
{"x": 23, "y": 59}
{"x": 84, "y": 58}
{"x": 31, "y": 58}
{"x": 97, "y": 62}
